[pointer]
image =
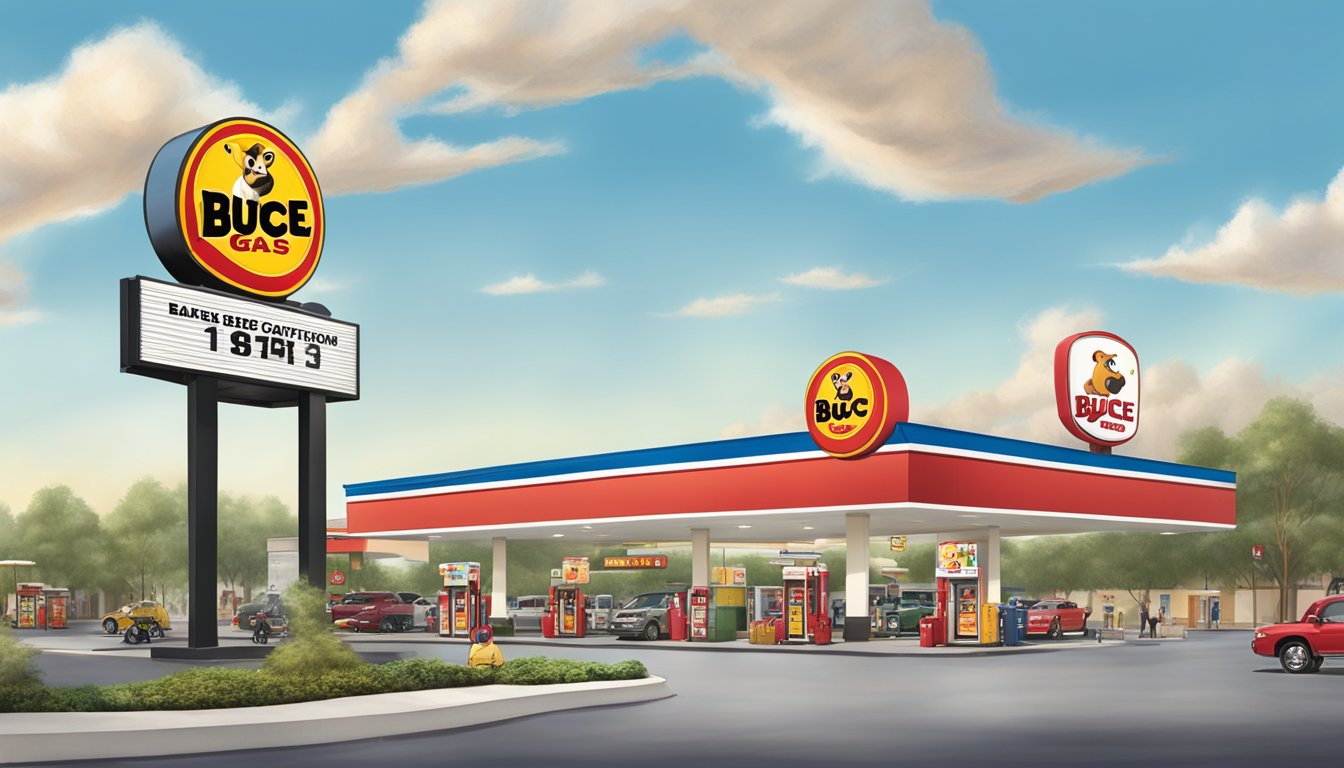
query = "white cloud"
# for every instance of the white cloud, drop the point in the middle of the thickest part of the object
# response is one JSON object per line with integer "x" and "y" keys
{"x": 321, "y": 287}
{"x": 831, "y": 279}
{"x": 1176, "y": 397}
{"x": 723, "y": 306}
{"x": 13, "y": 295}
{"x": 80, "y": 141}
{"x": 777, "y": 418}
{"x": 523, "y": 284}
{"x": 890, "y": 96}
{"x": 1298, "y": 250}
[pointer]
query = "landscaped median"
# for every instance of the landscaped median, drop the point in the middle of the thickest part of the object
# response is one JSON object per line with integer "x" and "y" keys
{"x": 66, "y": 736}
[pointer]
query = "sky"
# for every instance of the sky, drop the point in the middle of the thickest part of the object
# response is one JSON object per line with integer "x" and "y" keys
{"x": 576, "y": 227}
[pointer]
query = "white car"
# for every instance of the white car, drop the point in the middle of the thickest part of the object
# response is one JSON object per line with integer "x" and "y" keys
{"x": 422, "y": 606}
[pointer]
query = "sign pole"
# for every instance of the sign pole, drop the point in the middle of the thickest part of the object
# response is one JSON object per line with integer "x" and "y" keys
{"x": 313, "y": 488}
{"x": 202, "y": 510}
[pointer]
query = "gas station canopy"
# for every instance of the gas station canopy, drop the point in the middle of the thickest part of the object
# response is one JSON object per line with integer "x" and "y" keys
{"x": 781, "y": 488}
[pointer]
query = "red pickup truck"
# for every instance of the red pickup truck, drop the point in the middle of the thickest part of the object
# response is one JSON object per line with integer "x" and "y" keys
{"x": 378, "y": 611}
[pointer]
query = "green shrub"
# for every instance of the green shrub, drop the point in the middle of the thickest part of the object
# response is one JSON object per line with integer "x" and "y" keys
{"x": 18, "y": 662}
{"x": 312, "y": 649}
{"x": 223, "y": 687}
{"x": 539, "y": 670}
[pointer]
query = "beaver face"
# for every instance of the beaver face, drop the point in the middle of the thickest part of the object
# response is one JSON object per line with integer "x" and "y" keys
{"x": 1106, "y": 380}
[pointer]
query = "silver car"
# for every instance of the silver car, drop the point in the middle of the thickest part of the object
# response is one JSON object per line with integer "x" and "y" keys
{"x": 644, "y": 616}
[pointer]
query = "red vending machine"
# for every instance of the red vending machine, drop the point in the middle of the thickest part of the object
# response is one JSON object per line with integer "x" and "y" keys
{"x": 567, "y": 611}
{"x": 58, "y": 607}
{"x": 699, "y": 618}
{"x": 460, "y": 604}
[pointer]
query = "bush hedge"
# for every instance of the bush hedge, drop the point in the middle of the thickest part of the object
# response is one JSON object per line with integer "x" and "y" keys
{"x": 224, "y": 688}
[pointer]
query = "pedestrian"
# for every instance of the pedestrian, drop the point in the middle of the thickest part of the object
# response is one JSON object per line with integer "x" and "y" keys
{"x": 1214, "y": 614}
{"x": 1143, "y": 618}
{"x": 484, "y": 653}
{"x": 1153, "y": 620}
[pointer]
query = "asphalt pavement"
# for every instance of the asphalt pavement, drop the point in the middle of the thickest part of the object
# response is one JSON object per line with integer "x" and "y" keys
{"x": 1205, "y": 701}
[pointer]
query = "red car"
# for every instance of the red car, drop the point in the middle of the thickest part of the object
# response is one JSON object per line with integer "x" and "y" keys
{"x": 1303, "y": 645}
{"x": 358, "y": 602}
{"x": 1053, "y": 618}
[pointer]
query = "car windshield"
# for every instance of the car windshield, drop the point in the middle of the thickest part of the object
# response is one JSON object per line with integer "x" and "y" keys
{"x": 645, "y": 601}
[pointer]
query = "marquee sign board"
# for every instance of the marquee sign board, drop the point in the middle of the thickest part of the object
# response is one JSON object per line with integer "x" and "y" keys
{"x": 263, "y": 353}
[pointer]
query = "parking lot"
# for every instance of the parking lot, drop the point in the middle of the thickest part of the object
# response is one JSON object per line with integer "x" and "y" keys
{"x": 1204, "y": 701}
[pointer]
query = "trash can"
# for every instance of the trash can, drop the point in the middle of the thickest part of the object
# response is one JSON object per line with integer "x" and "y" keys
{"x": 1008, "y": 618}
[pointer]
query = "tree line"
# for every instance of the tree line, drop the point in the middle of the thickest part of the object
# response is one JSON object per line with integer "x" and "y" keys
{"x": 1290, "y": 488}
{"x": 138, "y": 550}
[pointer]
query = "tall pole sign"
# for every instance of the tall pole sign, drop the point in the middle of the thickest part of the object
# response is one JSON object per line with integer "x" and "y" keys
{"x": 1097, "y": 389}
{"x": 235, "y": 214}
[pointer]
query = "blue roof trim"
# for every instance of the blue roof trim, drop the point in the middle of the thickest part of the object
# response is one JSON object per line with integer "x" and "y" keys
{"x": 768, "y": 445}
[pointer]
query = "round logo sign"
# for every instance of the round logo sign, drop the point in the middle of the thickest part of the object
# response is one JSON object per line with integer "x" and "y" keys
{"x": 338, "y": 577}
{"x": 853, "y": 403}
{"x": 235, "y": 206}
{"x": 1097, "y": 387}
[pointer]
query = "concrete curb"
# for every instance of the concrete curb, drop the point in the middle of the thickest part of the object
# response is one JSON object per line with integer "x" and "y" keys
{"x": 67, "y": 736}
{"x": 959, "y": 652}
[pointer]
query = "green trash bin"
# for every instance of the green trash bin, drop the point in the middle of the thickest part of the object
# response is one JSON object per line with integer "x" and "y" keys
{"x": 723, "y": 623}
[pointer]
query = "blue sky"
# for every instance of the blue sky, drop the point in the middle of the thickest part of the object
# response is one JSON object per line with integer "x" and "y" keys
{"x": 713, "y": 179}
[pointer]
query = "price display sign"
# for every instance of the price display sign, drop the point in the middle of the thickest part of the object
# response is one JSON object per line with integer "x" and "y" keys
{"x": 267, "y": 349}
{"x": 634, "y": 562}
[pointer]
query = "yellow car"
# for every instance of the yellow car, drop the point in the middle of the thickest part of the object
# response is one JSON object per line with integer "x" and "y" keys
{"x": 117, "y": 621}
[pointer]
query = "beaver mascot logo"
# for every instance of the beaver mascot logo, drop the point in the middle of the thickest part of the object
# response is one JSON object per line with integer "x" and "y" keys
{"x": 255, "y": 163}
{"x": 1106, "y": 380}
{"x": 841, "y": 384}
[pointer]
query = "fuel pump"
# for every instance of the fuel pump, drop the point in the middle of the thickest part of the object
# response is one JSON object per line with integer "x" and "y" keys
{"x": 461, "y": 609}
{"x": 699, "y": 618}
{"x": 567, "y": 612}
{"x": 806, "y": 597}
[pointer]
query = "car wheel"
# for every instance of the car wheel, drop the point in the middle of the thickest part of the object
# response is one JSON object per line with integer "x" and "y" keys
{"x": 1319, "y": 661}
{"x": 156, "y": 631}
{"x": 387, "y": 625}
{"x": 407, "y": 623}
{"x": 1295, "y": 658}
{"x": 110, "y": 626}
{"x": 651, "y": 631}
{"x": 1055, "y": 632}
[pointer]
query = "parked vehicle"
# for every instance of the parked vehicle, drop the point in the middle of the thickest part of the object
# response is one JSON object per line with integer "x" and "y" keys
{"x": 381, "y": 616}
{"x": 1336, "y": 586}
{"x": 269, "y": 603}
{"x": 115, "y": 622}
{"x": 600, "y": 610}
{"x": 355, "y": 602}
{"x": 1302, "y": 646}
{"x": 527, "y": 611}
{"x": 1053, "y": 618}
{"x": 643, "y": 616}
{"x": 897, "y": 616}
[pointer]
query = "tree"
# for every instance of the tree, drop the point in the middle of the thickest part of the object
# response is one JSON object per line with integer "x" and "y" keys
{"x": 244, "y": 526}
{"x": 9, "y": 535}
{"x": 62, "y": 535}
{"x": 1289, "y": 463}
{"x": 146, "y": 533}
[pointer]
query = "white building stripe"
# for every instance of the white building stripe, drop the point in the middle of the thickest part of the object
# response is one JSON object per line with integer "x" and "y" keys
{"x": 701, "y": 516}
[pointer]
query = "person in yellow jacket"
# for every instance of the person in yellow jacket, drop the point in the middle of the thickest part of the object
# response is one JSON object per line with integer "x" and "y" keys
{"x": 484, "y": 653}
